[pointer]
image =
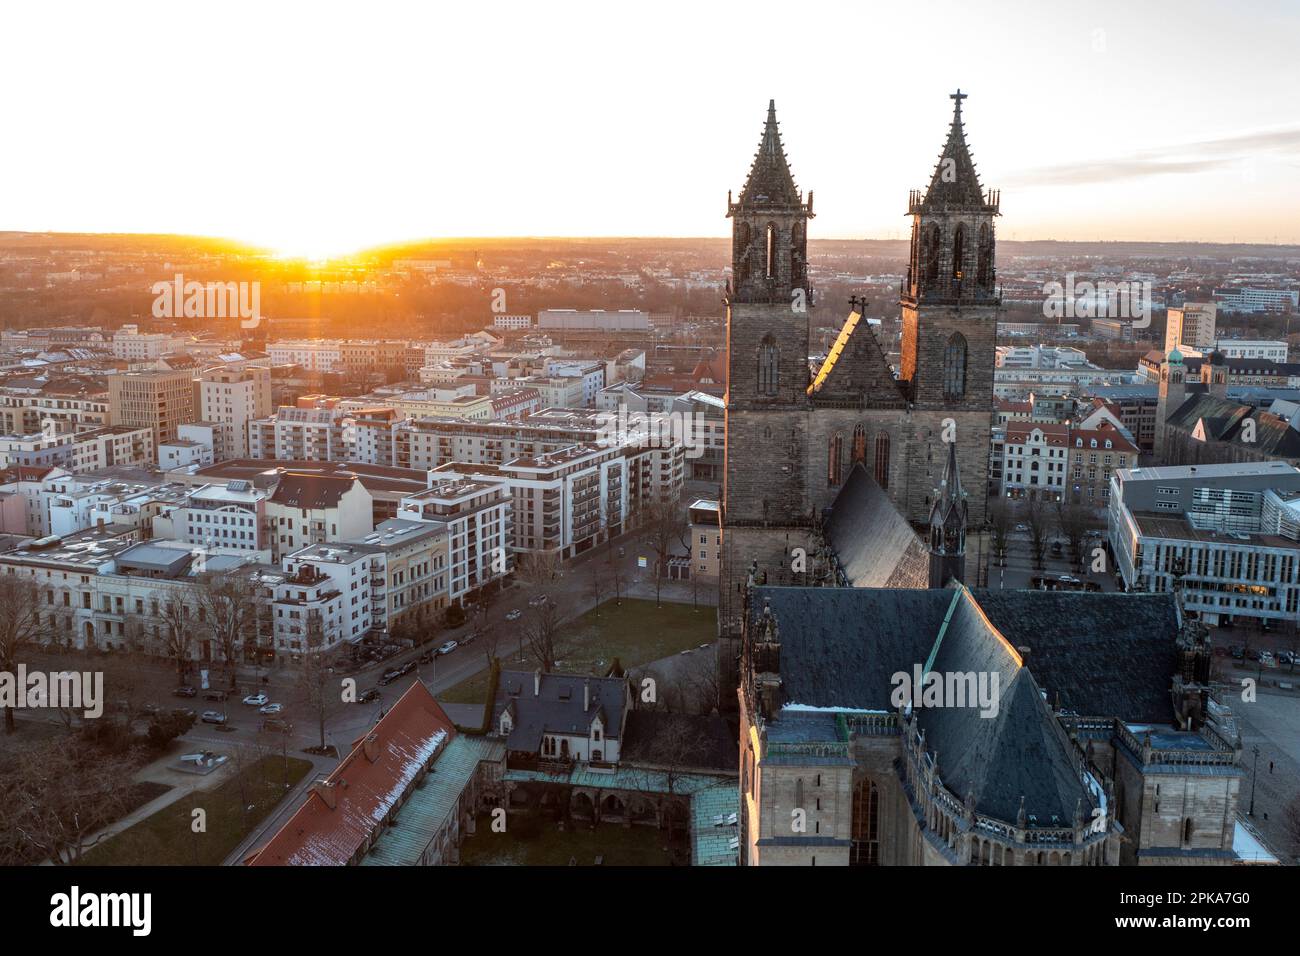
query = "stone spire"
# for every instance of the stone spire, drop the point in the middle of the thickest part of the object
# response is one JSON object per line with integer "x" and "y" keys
{"x": 955, "y": 181}
{"x": 770, "y": 182}
{"x": 948, "y": 519}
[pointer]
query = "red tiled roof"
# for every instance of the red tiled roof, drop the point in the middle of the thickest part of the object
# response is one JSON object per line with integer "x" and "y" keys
{"x": 364, "y": 788}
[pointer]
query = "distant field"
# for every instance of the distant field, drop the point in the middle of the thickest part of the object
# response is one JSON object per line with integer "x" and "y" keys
{"x": 167, "y": 839}
{"x": 635, "y": 633}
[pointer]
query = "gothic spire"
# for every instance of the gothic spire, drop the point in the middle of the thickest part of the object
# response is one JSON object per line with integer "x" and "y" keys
{"x": 955, "y": 182}
{"x": 770, "y": 181}
{"x": 948, "y": 516}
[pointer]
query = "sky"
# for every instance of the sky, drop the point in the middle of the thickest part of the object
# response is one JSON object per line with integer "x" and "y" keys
{"x": 323, "y": 128}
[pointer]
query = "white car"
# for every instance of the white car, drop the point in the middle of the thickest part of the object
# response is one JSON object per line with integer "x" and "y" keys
{"x": 448, "y": 648}
{"x": 256, "y": 700}
{"x": 270, "y": 708}
{"x": 514, "y": 615}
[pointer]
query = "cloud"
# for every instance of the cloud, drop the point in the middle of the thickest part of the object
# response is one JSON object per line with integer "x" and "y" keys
{"x": 1198, "y": 157}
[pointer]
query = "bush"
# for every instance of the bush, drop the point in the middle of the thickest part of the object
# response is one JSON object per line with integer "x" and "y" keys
{"x": 164, "y": 728}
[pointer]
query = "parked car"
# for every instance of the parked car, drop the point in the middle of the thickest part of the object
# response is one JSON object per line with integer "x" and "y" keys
{"x": 389, "y": 677}
{"x": 1220, "y": 651}
{"x": 1022, "y": 527}
{"x": 148, "y": 710}
{"x": 215, "y": 695}
{"x": 469, "y": 638}
{"x": 213, "y": 717}
{"x": 514, "y": 615}
{"x": 1237, "y": 652}
{"x": 186, "y": 691}
{"x": 426, "y": 657}
{"x": 448, "y": 647}
{"x": 368, "y": 696}
{"x": 1266, "y": 658}
{"x": 538, "y": 600}
{"x": 276, "y": 725}
{"x": 182, "y": 712}
{"x": 255, "y": 700}
{"x": 270, "y": 708}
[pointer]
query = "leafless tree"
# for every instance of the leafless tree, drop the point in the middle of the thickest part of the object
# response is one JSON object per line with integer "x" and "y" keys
{"x": 229, "y": 606}
{"x": 543, "y": 624}
{"x": 175, "y": 608}
{"x": 59, "y": 797}
{"x": 1072, "y": 521}
{"x": 662, "y": 529}
{"x": 617, "y": 578}
{"x": 320, "y": 687}
{"x": 999, "y": 519}
{"x": 595, "y": 586}
{"x": 538, "y": 569}
{"x": 1037, "y": 519}
{"x": 21, "y": 626}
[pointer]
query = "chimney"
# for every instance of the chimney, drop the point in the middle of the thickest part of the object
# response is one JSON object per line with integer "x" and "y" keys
{"x": 586, "y": 696}
{"x": 325, "y": 790}
{"x": 537, "y": 683}
{"x": 370, "y": 747}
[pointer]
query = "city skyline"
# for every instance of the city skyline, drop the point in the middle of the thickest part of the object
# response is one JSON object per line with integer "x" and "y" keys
{"x": 313, "y": 143}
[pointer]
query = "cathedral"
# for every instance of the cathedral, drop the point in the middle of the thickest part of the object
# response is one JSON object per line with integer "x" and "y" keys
{"x": 1101, "y": 740}
{"x": 809, "y": 429}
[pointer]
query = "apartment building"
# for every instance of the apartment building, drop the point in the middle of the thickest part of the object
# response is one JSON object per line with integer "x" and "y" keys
{"x": 26, "y": 405}
{"x": 325, "y": 597}
{"x": 80, "y": 452}
{"x": 234, "y": 396}
{"x": 1095, "y": 453}
{"x": 1192, "y": 326}
{"x": 230, "y": 516}
{"x": 133, "y": 345}
{"x": 159, "y": 400}
{"x": 314, "y": 355}
{"x": 307, "y": 509}
{"x": 1227, "y": 533}
{"x": 705, "y": 537}
{"x": 1035, "y": 458}
{"x": 478, "y": 518}
{"x": 414, "y": 571}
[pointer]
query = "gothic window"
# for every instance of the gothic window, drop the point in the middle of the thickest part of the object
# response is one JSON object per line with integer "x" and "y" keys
{"x": 882, "y": 460}
{"x": 835, "y": 465}
{"x": 984, "y": 272}
{"x": 859, "y": 453}
{"x": 742, "y": 259}
{"x": 954, "y": 367}
{"x": 865, "y": 848}
{"x": 932, "y": 257}
{"x": 958, "y": 252}
{"x": 771, "y": 251}
{"x": 768, "y": 366}
{"x": 796, "y": 256}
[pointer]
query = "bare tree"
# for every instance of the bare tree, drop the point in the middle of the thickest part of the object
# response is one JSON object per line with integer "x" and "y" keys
{"x": 540, "y": 631}
{"x": 596, "y": 586}
{"x": 174, "y": 610}
{"x": 1036, "y": 516}
{"x": 999, "y": 519}
{"x": 229, "y": 605}
{"x": 20, "y": 626}
{"x": 321, "y": 689}
{"x": 1072, "y": 521}
{"x": 662, "y": 528}
{"x": 617, "y": 577}
{"x": 538, "y": 569}
{"x": 58, "y": 799}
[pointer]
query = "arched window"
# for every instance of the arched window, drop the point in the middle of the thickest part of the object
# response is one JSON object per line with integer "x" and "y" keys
{"x": 881, "y": 471}
{"x": 769, "y": 357}
{"x": 954, "y": 367}
{"x": 771, "y": 251}
{"x": 797, "y": 271}
{"x": 932, "y": 257}
{"x": 835, "y": 463}
{"x": 984, "y": 271}
{"x": 743, "y": 240}
{"x": 958, "y": 252}
{"x": 859, "y": 452}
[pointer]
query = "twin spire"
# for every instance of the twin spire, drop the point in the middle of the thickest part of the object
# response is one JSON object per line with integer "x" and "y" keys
{"x": 770, "y": 182}
{"x": 955, "y": 181}
{"x": 950, "y": 509}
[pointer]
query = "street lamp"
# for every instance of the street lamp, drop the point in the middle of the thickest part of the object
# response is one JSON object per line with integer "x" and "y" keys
{"x": 1254, "y": 775}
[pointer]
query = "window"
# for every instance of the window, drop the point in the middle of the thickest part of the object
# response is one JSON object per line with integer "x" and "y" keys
{"x": 859, "y": 452}
{"x": 771, "y": 251}
{"x": 768, "y": 366}
{"x": 835, "y": 463}
{"x": 958, "y": 252}
{"x": 881, "y": 470}
{"x": 954, "y": 367}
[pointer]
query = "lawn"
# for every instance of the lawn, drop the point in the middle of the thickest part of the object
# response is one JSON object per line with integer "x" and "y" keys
{"x": 635, "y": 632}
{"x": 531, "y": 841}
{"x": 167, "y": 839}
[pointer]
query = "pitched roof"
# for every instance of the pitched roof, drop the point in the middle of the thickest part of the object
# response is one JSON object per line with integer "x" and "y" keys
{"x": 365, "y": 786}
{"x": 299, "y": 490}
{"x": 874, "y": 544}
{"x": 1223, "y": 420}
{"x": 557, "y": 706}
{"x": 770, "y": 181}
{"x": 955, "y": 181}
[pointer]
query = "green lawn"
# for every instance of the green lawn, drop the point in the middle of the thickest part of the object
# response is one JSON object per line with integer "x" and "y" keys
{"x": 537, "y": 842}
{"x": 635, "y": 632}
{"x": 167, "y": 839}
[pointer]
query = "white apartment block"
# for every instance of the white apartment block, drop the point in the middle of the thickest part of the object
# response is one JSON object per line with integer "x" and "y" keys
{"x": 314, "y": 355}
{"x": 414, "y": 571}
{"x": 1257, "y": 300}
{"x": 308, "y": 509}
{"x": 1191, "y": 326}
{"x": 1035, "y": 456}
{"x": 325, "y": 598}
{"x": 80, "y": 452}
{"x": 478, "y": 516}
{"x": 233, "y": 397}
{"x": 24, "y": 410}
{"x": 133, "y": 345}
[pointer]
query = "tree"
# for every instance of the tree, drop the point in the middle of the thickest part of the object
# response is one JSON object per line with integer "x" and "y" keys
{"x": 177, "y": 629}
{"x": 316, "y": 678}
{"x": 662, "y": 529}
{"x": 540, "y": 631}
{"x": 999, "y": 519}
{"x": 1072, "y": 521}
{"x": 20, "y": 626}
{"x": 596, "y": 586}
{"x": 617, "y": 578}
{"x": 229, "y": 606}
{"x": 537, "y": 569}
{"x": 58, "y": 798}
{"x": 1036, "y": 516}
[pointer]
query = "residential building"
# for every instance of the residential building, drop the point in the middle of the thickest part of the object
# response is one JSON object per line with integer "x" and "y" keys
{"x": 477, "y": 515}
{"x": 233, "y": 396}
{"x": 1191, "y": 326}
{"x": 307, "y": 509}
{"x": 159, "y": 400}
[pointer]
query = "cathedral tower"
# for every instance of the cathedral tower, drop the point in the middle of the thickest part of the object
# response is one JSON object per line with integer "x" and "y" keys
{"x": 767, "y": 343}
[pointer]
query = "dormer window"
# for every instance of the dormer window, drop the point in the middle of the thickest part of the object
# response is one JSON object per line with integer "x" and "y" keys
{"x": 595, "y": 732}
{"x": 1093, "y": 443}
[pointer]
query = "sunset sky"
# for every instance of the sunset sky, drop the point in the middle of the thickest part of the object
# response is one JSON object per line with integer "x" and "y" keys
{"x": 322, "y": 128}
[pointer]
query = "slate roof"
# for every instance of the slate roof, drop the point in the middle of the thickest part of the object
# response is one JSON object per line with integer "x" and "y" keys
{"x": 557, "y": 709}
{"x": 709, "y": 742}
{"x": 875, "y": 545}
{"x": 1223, "y": 419}
{"x": 313, "y": 492}
{"x": 1109, "y": 655}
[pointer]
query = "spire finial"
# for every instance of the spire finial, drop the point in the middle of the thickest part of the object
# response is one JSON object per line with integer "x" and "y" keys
{"x": 957, "y": 98}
